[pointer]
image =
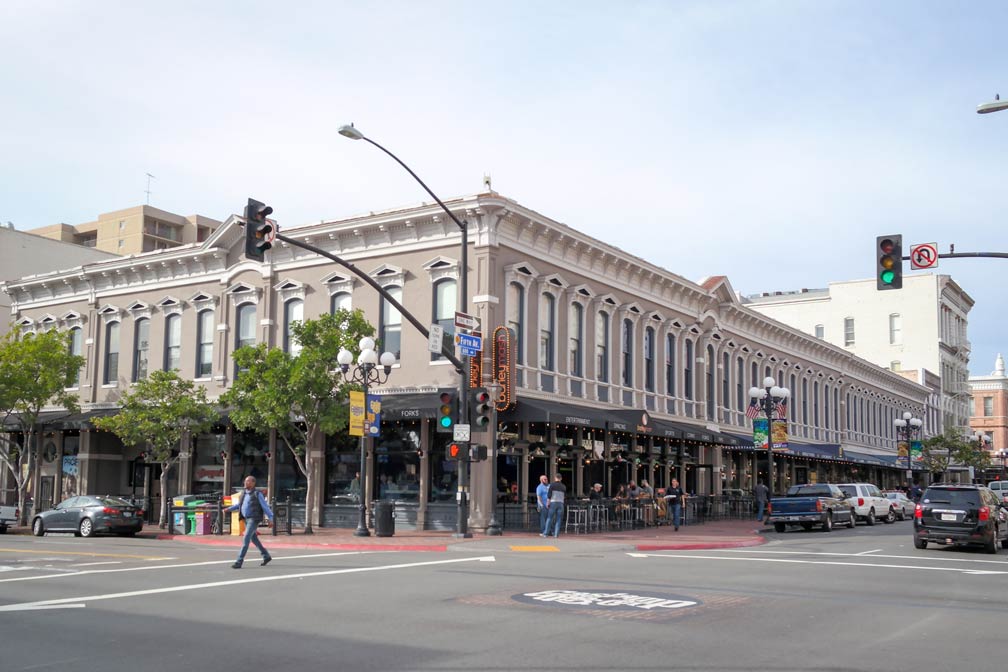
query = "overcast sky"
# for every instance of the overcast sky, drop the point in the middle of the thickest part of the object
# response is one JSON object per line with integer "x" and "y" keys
{"x": 766, "y": 141}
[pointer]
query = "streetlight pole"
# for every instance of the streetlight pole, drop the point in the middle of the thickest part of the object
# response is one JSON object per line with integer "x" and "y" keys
{"x": 462, "y": 526}
{"x": 771, "y": 400}
{"x": 366, "y": 373}
{"x": 906, "y": 427}
{"x": 493, "y": 527}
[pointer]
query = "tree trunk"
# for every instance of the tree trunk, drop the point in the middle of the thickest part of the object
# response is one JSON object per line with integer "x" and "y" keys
{"x": 22, "y": 490}
{"x": 309, "y": 496}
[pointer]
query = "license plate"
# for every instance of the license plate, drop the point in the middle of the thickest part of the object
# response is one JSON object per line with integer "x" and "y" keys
{"x": 792, "y": 517}
{"x": 948, "y": 516}
{"x": 127, "y": 514}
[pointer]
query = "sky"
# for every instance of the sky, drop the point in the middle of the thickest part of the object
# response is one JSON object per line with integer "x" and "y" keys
{"x": 768, "y": 141}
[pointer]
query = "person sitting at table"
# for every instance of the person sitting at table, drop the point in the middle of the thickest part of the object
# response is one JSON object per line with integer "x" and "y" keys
{"x": 620, "y": 492}
{"x": 595, "y": 494}
{"x": 646, "y": 489}
{"x": 633, "y": 492}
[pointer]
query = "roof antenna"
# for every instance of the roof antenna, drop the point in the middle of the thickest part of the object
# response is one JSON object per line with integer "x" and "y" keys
{"x": 149, "y": 178}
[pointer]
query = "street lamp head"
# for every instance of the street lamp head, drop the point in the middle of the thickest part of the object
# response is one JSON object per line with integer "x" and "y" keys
{"x": 366, "y": 343}
{"x": 367, "y": 357}
{"x": 348, "y": 131}
{"x": 907, "y": 415}
{"x": 777, "y": 392}
{"x": 754, "y": 392}
{"x": 916, "y": 423}
{"x": 769, "y": 382}
{"x": 900, "y": 422}
{"x": 387, "y": 359}
{"x": 345, "y": 358}
{"x": 996, "y": 106}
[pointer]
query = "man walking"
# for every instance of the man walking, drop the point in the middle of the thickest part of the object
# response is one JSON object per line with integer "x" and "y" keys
{"x": 252, "y": 507}
{"x": 675, "y": 497}
{"x": 542, "y": 503}
{"x": 762, "y": 494}
{"x": 556, "y": 494}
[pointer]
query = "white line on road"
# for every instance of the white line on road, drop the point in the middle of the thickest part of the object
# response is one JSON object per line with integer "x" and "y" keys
{"x": 926, "y": 558}
{"x": 234, "y": 582}
{"x": 92, "y": 564}
{"x": 818, "y": 562}
{"x": 875, "y": 550}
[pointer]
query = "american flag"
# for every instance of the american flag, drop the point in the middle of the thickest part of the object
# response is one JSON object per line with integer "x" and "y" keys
{"x": 782, "y": 409}
{"x": 752, "y": 411}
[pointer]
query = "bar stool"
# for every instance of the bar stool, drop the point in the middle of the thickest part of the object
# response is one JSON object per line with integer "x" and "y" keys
{"x": 577, "y": 517}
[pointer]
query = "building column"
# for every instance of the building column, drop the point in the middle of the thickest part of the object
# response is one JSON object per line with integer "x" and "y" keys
{"x": 316, "y": 466}
{"x": 185, "y": 464}
{"x": 426, "y": 444}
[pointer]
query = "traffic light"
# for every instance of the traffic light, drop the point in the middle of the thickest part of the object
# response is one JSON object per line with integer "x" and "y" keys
{"x": 479, "y": 409}
{"x": 446, "y": 412}
{"x": 258, "y": 231}
{"x": 477, "y": 453}
{"x": 889, "y": 269}
{"x": 456, "y": 451}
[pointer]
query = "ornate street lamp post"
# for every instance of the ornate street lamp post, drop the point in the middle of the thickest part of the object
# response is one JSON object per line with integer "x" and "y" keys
{"x": 906, "y": 427}
{"x": 772, "y": 400}
{"x": 493, "y": 527}
{"x": 366, "y": 373}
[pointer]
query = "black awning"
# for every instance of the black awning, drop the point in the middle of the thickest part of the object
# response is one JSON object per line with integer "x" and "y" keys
{"x": 410, "y": 405}
{"x": 541, "y": 410}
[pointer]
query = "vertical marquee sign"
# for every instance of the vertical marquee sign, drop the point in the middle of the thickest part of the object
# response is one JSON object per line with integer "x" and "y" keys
{"x": 476, "y": 369}
{"x": 503, "y": 367}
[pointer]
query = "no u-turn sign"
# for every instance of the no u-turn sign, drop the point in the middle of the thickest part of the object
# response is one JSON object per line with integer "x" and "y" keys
{"x": 924, "y": 255}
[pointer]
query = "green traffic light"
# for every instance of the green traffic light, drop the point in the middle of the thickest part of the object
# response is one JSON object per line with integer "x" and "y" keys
{"x": 446, "y": 421}
{"x": 887, "y": 277}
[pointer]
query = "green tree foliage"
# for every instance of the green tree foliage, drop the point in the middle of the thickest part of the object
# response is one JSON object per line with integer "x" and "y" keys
{"x": 303, "y": 398}
{"x": 157, "y": 413}
{"x": 35, "y": 370}
{"x": 953, "y": 448}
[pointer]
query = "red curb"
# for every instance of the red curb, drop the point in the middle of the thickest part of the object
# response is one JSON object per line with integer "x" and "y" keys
{"x": 229, "y": 541}
{"x": 700, "y": 545}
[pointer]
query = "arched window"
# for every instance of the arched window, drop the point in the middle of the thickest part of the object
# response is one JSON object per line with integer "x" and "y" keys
{"x": 709, "y": 364}
{"x": 245, "y": 331}
{"x": 740, "y": 384}
{"x": 575, "y": 335}
{"x": 626, "y": 342}
{"x": 141, "y": 342}
{"x": 204, "y": 343}
{"x": 445, "y": 305}
{"x": 754, "y": 375}
{"x": 339, "y": 301}
{"x": 688, "y": 371}
{"x": 804, "y": 401}
{"x": 173, "y": 343}
{"x": 111, "y": 353}
{"x": 725, "y": 383}
{"x": 791, "y": 404}
{"x": 516, "y": 318}
{"x": 826, "y": 406}
{"x": 76, "y": 348}
{"x": 602, "y": 346}
{"x": 293, "y": 312}
{"x": 547, "y": 324}
{"x": 390, "y": 327}
{"x": 670, "y": 365}
{"x": 649, "y": 364}
{"x": 815, "y": 403}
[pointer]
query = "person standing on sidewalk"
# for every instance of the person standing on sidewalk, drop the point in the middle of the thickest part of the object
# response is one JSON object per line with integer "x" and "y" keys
{"x": 762, "y": 494}
{"x": 542, "y": 503}
{"x": 252, "y": 506}
{"x": 556, "y": 494}
{"x": 675, "y": 497}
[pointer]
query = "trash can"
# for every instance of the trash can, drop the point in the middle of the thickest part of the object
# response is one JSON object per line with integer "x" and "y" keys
{"x": 180, "y": 523}
{"x": 204, "y": 520}
{"x": 191, "y": 516}
{"x": 384, "y": 518}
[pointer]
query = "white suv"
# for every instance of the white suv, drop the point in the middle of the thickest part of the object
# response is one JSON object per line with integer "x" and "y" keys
{"x": 868, "y": 502}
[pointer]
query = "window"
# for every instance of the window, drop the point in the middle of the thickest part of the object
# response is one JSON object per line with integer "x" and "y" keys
{"x": 602, "y": 346}
{"x": 649, "y": 359}
{"x": 293, "y": 312}
{"x": 339, "y": 301}
{"x": 111, "y": 353}
{"x": 141, "y": 341}
{"x": 516, "y": 318}
{"x": 626, "y": 342}
{"x": 204, "y": 343}
{"x": 740, "y": 384}
{"x": 173, "y": 343}
{"x": 688, "y": 371}
{"x": 547, "y": 321}
{"x": 725, "y": 387}
{"x": 670, "y": 364}
{"x": 848, "y": 331}
{"x": 76, "y": 348}
{"x": 445, "y": 305}
{"x": 245, "y": 334}
{"x": 804, "y": 401}
{"x": 895, "y": 329}
{"x": 709, "y": 364}
{"x": 575, "y": 333}
{"x": 390, "y": 327}
{"x": 988, "y": 406}
{"x": 820, "y": 331}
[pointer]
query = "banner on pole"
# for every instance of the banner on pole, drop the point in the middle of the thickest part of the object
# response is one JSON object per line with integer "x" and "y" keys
{"x": 356, "y": 413}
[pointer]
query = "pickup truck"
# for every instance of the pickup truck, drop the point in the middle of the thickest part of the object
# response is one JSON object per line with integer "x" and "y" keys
{"x": 809, "y": 505}
{"x": 8, "y": 517}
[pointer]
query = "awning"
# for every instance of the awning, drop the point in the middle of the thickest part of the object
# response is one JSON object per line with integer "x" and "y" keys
{"x": 641, "y": 422}
{"x": 61, "y": 420}
{"x": 868, "y": 458}
{"x": 410, "y": 406}
{"x": 541, "y": 410}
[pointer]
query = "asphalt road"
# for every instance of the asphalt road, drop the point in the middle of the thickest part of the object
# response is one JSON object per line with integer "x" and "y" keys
{"x": 850, "y": 600}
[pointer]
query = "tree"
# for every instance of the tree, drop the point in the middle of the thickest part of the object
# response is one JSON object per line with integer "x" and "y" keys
{"x": 301, "y": 397}
{"x": 951, "y": 447}
{"x": 159, "y": 411}
{"x": 35, "y": 370}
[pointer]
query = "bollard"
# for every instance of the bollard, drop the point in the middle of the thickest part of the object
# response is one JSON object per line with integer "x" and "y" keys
{"x": 288, "y": 515}
{"x": 220, "y": 515}
{"x": 273, "y": 530}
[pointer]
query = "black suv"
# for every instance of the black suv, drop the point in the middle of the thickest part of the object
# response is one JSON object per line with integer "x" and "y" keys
{"x": 961, "y": 515}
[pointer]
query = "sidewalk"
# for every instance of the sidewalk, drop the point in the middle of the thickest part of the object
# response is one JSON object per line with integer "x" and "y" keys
{"x": 717, "y": 534}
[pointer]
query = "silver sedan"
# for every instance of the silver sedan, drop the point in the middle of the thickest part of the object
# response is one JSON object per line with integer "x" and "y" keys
{"x": 902, "y": 505}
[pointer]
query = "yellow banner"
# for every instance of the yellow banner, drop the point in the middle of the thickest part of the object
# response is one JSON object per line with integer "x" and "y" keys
{"x": 356, "y": 413}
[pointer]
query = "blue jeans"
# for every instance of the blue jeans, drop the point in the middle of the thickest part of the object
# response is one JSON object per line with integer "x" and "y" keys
{"x": 250, "y": 536}
{"x": 555, "y": 518}
{"x": 543, "y": 514}
{"x": 760, "y": 510}
{"x": 676, "y": 514}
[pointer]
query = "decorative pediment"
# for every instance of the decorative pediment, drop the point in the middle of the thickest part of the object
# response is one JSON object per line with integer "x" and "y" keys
{"x": 109, "y": 313}
{"x": 241, "y": 292}
{"x": 289, "y": 289}
{"x": 582, "y": 291}
{"x": 388, "y": 275}
{"x": 139, "y": 309}
{"x": 169, "y": 305}
{"x": 337, "y": 283}
{"x": 26, "y": 325}
{"x": 48, "y": 321}
{"x": 554, "y": 280}
{"x": 203, "y": 300}
{"x": 73, "y": 319}
{"x": 442, "y": 267}
{"x": 522, "y": 268}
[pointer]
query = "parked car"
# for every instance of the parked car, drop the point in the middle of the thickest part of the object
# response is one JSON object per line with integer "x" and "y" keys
{"x": 961, "y": 515}
{"x": 809, "y": 505}
{"x": 1000, "y": 488}
{"x": 904, "y": 505}
{"x": 868, "y": 502}
{"x": 89, "y": 514}
{"x": 8, "y": 517}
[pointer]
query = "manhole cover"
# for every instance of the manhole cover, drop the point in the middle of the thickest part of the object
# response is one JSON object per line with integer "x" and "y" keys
{"x": 637, "y": 600}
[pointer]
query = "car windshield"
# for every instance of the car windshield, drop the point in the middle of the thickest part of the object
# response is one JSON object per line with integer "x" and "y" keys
{"x": 958, "y": 498}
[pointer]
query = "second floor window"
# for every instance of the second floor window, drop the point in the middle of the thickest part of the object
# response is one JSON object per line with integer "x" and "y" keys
{"x": 245, "y": 334}
{"x": 390, "y": 328}
{"x": 988, "y": 406}
{"x": 173, "y": 343}
{"x": 602, "y": 346}
{"x": 670, "y": 365}
{"x": 626, "y": 342}
{"x": 516, "y": 318}
{"x": 575, "y": 332}
{"x": 848, "y": 331}
{"x": 76, "y": 348}
{"x": 445, "y": 305}
{"x": 649, "y": 369}
{"x": 340, "y": 300}
{"x": 547, "y": 324}
{"x": 204, "y": 343}
{"x": 688, "y": 371}
{"x": 293, "y": 312}
{"x": 111, "y": 353}
{"x": 141, "y": 341}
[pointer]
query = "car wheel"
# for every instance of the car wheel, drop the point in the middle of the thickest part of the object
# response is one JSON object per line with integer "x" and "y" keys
{"x": 827, "y": 525}
{"x": 86, "y": 527}
{"x": 38, "y": 529}
{"x": 991, "y": 545}
{"x": 853, "y": 519}
{"x": 920, "y": 543}
{"x": 901, "y": 515}
{"x": 779, "y": 527}
{"x": 871, "y": 517}
{"x": 890, "y": 516}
